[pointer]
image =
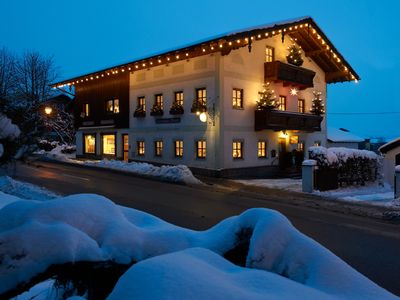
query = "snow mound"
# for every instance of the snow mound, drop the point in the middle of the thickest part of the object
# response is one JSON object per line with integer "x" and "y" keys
{"x": 8, "y": 130}
{"x": 172, "y": 276}
{"x": 35, "y": 235}
{"x": 179, "y": 173}
{"x": 24, "y": 190}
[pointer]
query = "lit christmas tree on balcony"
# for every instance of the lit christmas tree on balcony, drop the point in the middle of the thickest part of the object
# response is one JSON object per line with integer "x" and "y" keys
{"x": 317, "y": 106}
{"x": 267, "y": 98}
{"x": 294, "y": 56}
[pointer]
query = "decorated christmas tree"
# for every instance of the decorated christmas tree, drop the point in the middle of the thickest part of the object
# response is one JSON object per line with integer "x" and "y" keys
{"x": 267, "y": 98}
{"x": 317, "y": 106}
{"x": 294, "y": 56}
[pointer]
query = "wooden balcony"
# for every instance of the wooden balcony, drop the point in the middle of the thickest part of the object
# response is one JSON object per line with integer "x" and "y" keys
{"x": 285, "y": 120}
{"x": 277, "y": 71}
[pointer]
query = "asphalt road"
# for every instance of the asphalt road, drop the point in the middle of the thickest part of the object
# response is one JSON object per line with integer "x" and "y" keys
{"x": 370, "y": 246}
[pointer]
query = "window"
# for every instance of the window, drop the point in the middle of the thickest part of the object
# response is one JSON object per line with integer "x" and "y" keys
{"x": 201, "y": 149}
{"x": 179, "y": 98}
{"x": 237, "y": 149}
{"x": 89, "y": 143}
{"x": 179, "y": 148}
{"x": 140, "y": 148}
{"x": 300, "y": 146}
{"x": 300, "y": 106}
{"x": 141, "y": 103}
{"x": 317, "y": 143}
{"x": 282, "y": 103}
{"x": 86, "y": 110}
{"x": 158, "y": 148}
{"x": 109, "y": 144}
{"x": 159, "y": 101}
{"x": 294, "y": 139}
{"x": 262, "y": 149}
{"x": 201, "y": 95}
{"x": 269, "y": 54}
{"x": 112, "y": 106}
{"x": 237, "y": 98}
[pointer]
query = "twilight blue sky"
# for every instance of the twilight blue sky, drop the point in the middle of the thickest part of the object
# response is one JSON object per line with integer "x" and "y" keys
{"x": 84, "y": 36}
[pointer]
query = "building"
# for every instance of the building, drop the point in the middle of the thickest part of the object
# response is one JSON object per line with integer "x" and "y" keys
{"x": 391, "y": 158}
{"x": 196, "y": 105}
{"x": 342, "y": 137}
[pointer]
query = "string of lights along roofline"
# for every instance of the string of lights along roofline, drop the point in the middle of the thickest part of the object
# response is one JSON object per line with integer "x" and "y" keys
{"x": 214, "y": 46}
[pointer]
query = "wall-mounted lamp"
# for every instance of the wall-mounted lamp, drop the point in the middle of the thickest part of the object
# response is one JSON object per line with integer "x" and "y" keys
{"x": 48, "y": 110}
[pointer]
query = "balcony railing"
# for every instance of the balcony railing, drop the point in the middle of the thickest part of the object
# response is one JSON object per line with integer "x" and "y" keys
{"x": 277, "y": 71}
{"x": 284, "y": 120}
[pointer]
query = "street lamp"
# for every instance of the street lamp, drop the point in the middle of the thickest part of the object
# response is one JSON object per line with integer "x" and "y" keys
{"x": 48, "y": 110}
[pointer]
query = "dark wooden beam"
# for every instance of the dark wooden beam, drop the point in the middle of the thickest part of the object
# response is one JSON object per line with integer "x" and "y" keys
{"x": 315, "y": 52}
{"x": 332, "y": 76}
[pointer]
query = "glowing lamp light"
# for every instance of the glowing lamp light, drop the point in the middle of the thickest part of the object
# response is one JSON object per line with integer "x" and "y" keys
{"x": 203, "y": 117}
{"x": 48, "y": 110}
{"x": 293, "y": 92}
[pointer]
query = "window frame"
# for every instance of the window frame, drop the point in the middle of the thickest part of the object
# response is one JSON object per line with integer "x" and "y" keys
{"x": 112, "y": 112}
{"x": 269, "y": 57}
{"x": 300, "y": 148}
{"x": 235, "y": 98}
{"x": 178, "y": 150}
{"x": 158, "y": 150}
{"x": 201, "y": 152}
{"x": 179, "y": 101}
{"x": 159, "y": 100}
{"x": 301, "y": 108}
{"x": 102, "y": 143}
{"x": 281, "y": 97}
{"x": 235, "y": 149}
{"x": 201, "y": 96}
{"x": 139, "y": 144}
{"x": 141, "y": 105}
{"x": 265, "y": 149}
{"x": 84, "y": 143}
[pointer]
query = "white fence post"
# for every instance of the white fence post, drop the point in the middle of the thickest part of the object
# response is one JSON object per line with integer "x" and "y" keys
{"x": 397, "y": 182}
{"x": 307, "y": 175}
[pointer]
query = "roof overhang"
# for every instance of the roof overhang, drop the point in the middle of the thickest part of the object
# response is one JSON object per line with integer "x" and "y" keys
{"x": 304, "y": 31}
{"x": 389, "y": 146}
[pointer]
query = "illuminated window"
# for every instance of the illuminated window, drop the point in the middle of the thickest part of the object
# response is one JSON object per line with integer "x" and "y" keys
{"x": 179, "y": 148}
{"x": 282, "y": 103}
{"x": 158, "y": 148}
{"x": 109, "y": 144}
{"x": 112, "y": 106}
{"x": 141, "y": 103}
{"x": 140, "y": 148}
{"x": 159, "y": 100}
{"x": 300, "y": 146}
{"x": 317, "y": 143}
{"x": 237, "y": 98}
{"x": 179, "y": 98}
{"x": 262, "y": 149}
{"x": 269, "y": 54}
{"x": 90, "y": 143}
{"x": 300, "y": 105}
{"x": 294, "y": 139}
{"x": 237, "y": 149}
{"x": 86, "y": 110}
{"x": 201, "y": 96}
{"x": 201, "y": 149}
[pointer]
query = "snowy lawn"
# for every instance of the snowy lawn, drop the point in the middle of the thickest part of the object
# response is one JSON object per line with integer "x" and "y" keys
{"x": 179, "y": 173}
{"x": 373, "y": 193}
{"x": 278, "y": 261}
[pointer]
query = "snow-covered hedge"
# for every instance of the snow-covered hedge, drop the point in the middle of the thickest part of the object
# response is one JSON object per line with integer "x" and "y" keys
{"x": 8, "y": 133}
{"x": 353, "y": 165}
{"x": 48, "y": 146}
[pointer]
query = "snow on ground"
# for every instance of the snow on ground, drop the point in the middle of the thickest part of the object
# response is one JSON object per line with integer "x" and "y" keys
{"x": 86, "y": 227}
{"x": 372, "y": 194}
{"x": 179, "y": 173}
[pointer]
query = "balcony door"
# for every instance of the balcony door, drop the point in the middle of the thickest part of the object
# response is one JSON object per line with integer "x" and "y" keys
{"x": 125, "y": 147}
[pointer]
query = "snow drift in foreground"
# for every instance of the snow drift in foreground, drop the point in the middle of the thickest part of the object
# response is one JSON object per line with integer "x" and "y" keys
{"x": 86, "y": 227}
{"x": 179, "y": 173}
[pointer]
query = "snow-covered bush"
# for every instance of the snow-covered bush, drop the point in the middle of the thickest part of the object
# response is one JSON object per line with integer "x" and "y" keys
{"x": 353, "y": 165}
{"x": 47, "y": 145}
{"x": 9, "y": 132}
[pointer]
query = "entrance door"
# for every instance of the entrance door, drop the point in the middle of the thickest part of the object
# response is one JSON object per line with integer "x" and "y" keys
{"x": 284, "y": 160}
{"x": 125, "y": 148}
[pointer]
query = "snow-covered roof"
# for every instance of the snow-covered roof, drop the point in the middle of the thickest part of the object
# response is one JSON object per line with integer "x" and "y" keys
{"x": 390, "y": 145}
{"x": 341, "y": 135}
{"x": 306, "y": 32}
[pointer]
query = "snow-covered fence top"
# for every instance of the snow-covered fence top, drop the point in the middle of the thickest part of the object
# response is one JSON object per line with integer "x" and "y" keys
{"x": 353, "y": 165}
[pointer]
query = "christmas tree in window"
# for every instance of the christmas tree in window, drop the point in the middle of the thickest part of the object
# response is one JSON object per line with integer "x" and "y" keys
{"x": 317, "y": 106}
{"x": 294, "y": 56}
{"x": 267, "y": 99}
